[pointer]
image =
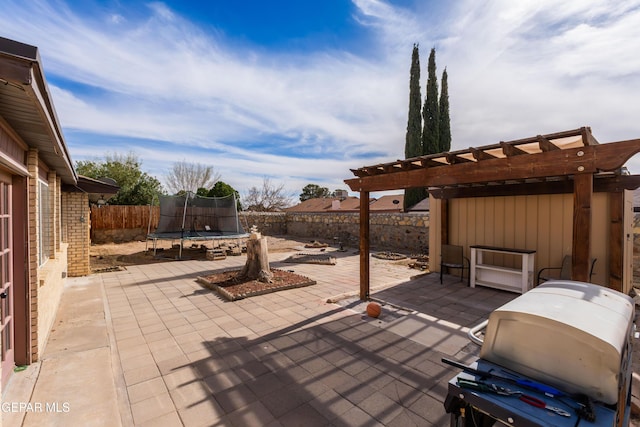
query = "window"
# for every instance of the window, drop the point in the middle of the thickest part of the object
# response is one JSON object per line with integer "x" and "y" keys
{"x": 44, "y": 206}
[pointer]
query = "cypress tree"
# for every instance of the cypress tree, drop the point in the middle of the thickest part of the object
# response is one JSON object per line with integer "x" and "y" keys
{"x": 413, "y": 139}
{"x": 430, "y": 112}
{"x": 444, "y": 122}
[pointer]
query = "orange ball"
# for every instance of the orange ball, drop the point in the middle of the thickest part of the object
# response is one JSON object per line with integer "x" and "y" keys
{"x": 373, "y": 309}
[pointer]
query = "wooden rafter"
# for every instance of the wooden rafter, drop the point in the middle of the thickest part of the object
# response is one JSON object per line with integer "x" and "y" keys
{"x": 481, "y": 154}
{"x": 546, "y": 145}
{"x": 455, "y": 159}
{"x": 587, "y": 137}
{"x": 511, "y": 150}
{"x": 427, "y": 162}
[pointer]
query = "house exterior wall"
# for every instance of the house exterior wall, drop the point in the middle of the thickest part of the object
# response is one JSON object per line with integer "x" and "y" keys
{"x": 76, "y": 227}
{"x": 540, "y": 222}
{"x": 46, "y": 280}
{"x": 34, "y": 251}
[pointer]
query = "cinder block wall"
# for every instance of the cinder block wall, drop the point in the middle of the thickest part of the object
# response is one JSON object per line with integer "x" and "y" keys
{"x": 76, "y": 226}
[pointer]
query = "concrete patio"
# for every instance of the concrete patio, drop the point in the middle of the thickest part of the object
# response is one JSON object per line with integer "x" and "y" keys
{"x": 148, "y": 346}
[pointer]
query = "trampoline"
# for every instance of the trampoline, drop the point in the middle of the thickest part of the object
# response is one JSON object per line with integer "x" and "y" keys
{"x": 190, "y": 217}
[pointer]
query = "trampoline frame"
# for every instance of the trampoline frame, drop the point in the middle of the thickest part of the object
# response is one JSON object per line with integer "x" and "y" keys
{"x": 193, "y": 235}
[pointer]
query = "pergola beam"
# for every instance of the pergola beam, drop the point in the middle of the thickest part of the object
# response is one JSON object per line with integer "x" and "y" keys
{"x": 587, "y": 159}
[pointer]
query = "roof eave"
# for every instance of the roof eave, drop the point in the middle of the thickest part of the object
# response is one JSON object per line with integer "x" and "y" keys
{"x": 21, "y": 68}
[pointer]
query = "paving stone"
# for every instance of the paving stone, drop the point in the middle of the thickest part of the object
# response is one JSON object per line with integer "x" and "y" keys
{"x": 190, "y": 394}
{"x": 304, "y": 415}
{"x": 207, "y": 413}
{"x": 151, "y": 408}
{"x": 146, "y": 389}
{"x": 234, "y": 398}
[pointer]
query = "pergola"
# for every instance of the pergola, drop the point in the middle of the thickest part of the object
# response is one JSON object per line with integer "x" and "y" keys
{"x": 564, "y": 162}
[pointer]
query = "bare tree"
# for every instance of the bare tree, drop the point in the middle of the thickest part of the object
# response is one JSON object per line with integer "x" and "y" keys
{"x": 186, "y": 176}
{"x": 268, "y": 198}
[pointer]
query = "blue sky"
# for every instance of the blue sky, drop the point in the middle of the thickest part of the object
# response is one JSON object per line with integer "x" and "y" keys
{"x": 301, "y": 91}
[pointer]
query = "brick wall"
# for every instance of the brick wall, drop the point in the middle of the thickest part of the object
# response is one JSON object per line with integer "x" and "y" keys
{"x": 34, "y": 212}
{"x": 76, "y": 225}
{"x": 50, "y": 285}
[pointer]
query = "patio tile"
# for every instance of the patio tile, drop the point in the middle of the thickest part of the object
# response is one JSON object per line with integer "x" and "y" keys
{"x": 167, "y": 366}
{"x": 401, "y": 393}
{"x": 304, "y": 415}
{"x": 146, "y": 389}
{"x": 253, "y": 415}
{"x": 429, "y": 408}
{"x": 207, "y": 413}
{"x": 129, "y": 352}
{"x": 222, "y": 381}
{"x": 180, "y": 377}
{"x": 141, "y": 374}
{"x": 331, "y": 404}
{"x": 151, "y": 408}
{"x": 265, "y": 384}
{"x": 380, "y": 407}
{"x": 355, "y": 417}
{"x": 234, "y": 398}
{"x": 138, "y": 362}
{"x": 190, "y": 394}
{"x": 285, "y": 400}
{"x": 171, "y": 419}
{"x": 152, "y": 327}
{"x": 406, "y": 418}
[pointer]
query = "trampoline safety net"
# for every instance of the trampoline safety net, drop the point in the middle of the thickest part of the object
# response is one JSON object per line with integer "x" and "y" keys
{"x": 191, "y": 216}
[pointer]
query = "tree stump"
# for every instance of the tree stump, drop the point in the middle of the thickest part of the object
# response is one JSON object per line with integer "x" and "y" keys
{"x": 257, "y": 265}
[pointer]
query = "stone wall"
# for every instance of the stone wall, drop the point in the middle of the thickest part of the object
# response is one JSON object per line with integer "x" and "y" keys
{"x": 268, "y": 223}
{"x": 390, "y": 231}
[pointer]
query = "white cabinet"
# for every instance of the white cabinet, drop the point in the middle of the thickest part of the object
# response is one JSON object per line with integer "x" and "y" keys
{"x": 500, "y": 277}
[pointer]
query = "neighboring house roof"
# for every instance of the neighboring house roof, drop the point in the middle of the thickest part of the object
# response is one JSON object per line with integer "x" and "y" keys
{"x": 421, "y": 206}
{"x": 349, "y": 204}
{"x": 388, "y": 203}
{"x": 28, "y": 108}
{"x": 327, "y": 204}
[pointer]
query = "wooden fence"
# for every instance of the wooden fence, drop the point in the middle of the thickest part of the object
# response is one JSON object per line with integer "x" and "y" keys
{"x": 116, "y": 217}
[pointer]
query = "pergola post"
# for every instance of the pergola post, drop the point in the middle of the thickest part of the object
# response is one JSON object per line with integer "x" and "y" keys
{"x": 582, "y": 195}
{"x": 364, "y": 245}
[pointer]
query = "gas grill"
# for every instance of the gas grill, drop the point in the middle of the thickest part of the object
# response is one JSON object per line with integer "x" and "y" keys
{"x": 558, "y": 355}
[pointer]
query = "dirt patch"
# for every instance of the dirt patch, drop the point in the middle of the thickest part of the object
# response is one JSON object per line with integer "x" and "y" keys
{"x": 229, "y": 286}
{"x": 323, "y": 259}
{"x": 115, "y": 256}
{"x": 393, "y": 256}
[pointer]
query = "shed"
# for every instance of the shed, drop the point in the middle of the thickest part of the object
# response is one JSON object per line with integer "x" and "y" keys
{"x": 558, "y": 194}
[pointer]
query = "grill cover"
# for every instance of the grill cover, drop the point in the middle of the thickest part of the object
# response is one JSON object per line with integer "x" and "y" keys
{"x": 572, "y": 335}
